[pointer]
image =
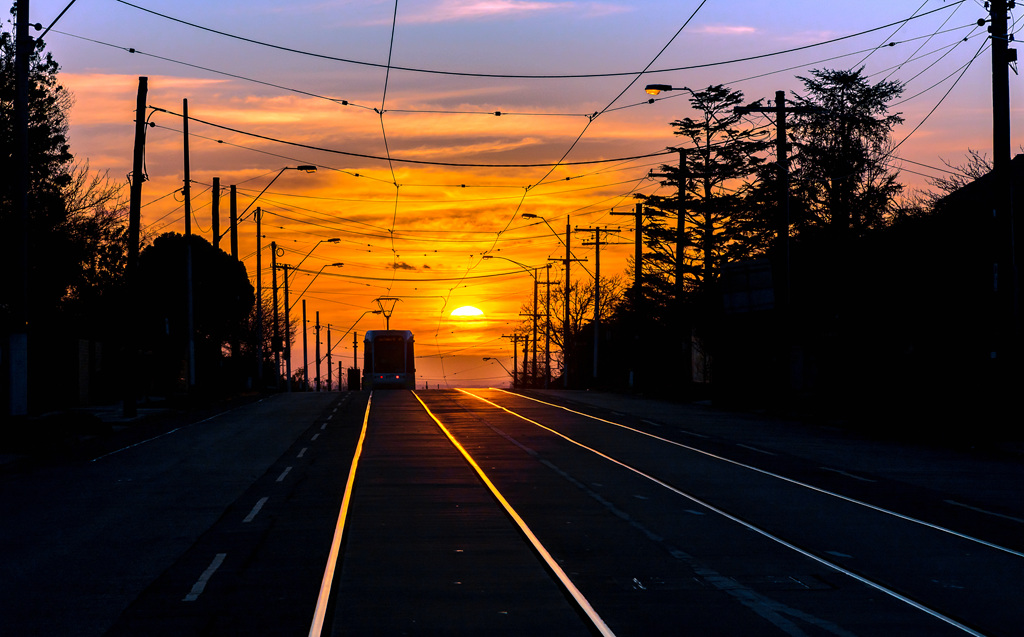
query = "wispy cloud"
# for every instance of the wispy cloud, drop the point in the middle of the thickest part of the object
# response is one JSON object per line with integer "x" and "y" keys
{"x": 725, "y": 29}
{"x": 467, "y": 10}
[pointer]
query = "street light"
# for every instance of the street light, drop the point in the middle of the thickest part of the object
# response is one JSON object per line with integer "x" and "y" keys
{"x": 565, "y": 318}
{"x": 535, "y": 283}
{"x": 331, "y": 240}
{"x": 259, "y": 265}
{"x": 329, "y": 265}
{"x": 303, "y": 168}
{"x": 498, "y": 361}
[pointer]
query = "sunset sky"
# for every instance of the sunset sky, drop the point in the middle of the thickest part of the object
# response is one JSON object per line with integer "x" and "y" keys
{"x": 309, "y": 83}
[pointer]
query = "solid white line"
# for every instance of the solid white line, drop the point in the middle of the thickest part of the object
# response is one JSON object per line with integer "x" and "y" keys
{"x": 284, "y": 473}
{"x": 200, "y": 585}
{"x": 879, "y": 509}
{"x": 255, "y": 510}
{"x": 324, "y": 598}
{"x": 576, "y": 594}
{"x": 863, "y": 580}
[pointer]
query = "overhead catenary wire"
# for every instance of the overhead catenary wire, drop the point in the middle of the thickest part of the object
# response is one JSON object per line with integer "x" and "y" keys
{"x": 555, "y": 76}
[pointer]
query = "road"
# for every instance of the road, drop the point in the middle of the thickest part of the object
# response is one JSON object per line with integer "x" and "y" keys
{"x": 481, "y": 511}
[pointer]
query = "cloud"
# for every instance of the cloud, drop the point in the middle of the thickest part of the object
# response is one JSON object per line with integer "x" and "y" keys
{"x": 402, "y": 265}
{"x": 462, "y": 10}
{"x": 726, "y": 29}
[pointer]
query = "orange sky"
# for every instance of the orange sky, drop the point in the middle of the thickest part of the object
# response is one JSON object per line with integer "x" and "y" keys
{"x": 422, "y": 239}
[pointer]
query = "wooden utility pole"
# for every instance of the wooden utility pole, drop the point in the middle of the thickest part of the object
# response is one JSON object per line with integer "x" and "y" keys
{"x": 317, "y": 350}
{"x": 233, "y": 220}
{"x": 330, "y": 369}
{"x": 565, "y": 309}
{"x": 305, "y": 348}
{"x": 259, "y": 300}
{"x": 189, "y": 307}
{"x": 1005, "y": 281}
{"x": 215, "y": 213}
{"x": 597, "y": 287}
{"x": 782, "y": 215}
{"x": 287, "y": 331}
{"x": 17, "y": 358}
{"x": 276, "y": 343}
{"x": 638, "y": 234}
{"x": 131, "y": 267}
{"x": 355, "y": 356}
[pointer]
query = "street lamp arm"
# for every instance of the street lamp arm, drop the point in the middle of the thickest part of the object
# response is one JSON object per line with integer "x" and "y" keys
{"x": 338, "y": 265}
{"x": 305, "y": 169}
{"x": 490, "y": 358}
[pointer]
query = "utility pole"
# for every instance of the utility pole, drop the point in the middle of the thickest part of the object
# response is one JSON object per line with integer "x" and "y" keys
{"x": 638, "y": 234}
{"x": 638, "y": 304}
{"x": 782, "y": 275}
{"x": 534, "y": 369}
{"x": 18, "y": 352}
{"x": 330, "y": 366}
{"x": 355, "y": 356}
{"x": 1005, "y": 282}
{"x": 597, "y": 287}
{"x": 305, "y": 348}
{"x": 259, "y": 301}
{"x": 287, "y": 331}
{"x": 276, "y": 346}
{"x": 782, "y": 216}
{"x": 215, "y": 213}
{"x": 130, "y": 408}
{"x": 317, "y": 332}
{"x": 547, "y": 328}
{"x": 682, "y": 175}
{"x": 190, "y": 309}
{"x": 233, "y": 220}
{"x": 565, "y": 309}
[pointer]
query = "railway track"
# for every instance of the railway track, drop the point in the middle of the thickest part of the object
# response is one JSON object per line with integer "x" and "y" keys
{"x": 637, "y": 527}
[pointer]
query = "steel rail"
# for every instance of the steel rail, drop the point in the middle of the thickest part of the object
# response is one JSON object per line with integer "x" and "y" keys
{"x": 748, "y": 525}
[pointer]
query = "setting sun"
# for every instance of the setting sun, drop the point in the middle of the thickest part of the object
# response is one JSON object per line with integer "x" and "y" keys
{"x": 467, "y": 310}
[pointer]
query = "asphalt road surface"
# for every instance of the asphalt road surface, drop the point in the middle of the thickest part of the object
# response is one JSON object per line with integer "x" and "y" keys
{"x": 483, "y": 512}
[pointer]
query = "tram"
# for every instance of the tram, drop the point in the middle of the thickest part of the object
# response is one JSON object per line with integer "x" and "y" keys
{"x": 389, "y": 359}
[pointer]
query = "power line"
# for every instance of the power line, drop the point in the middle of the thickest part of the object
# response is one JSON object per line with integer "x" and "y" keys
{"x": 421, "y": 162}
{"x": 533, "y": 76}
